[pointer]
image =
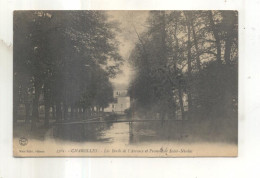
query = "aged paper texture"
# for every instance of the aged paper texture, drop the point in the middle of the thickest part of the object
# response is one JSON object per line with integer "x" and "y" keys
{"x": 125, "y": 83}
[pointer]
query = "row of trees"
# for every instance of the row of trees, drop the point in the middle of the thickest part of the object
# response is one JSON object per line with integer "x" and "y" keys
{"x": 186, "y": 65}
{"x": 63, "y": 60}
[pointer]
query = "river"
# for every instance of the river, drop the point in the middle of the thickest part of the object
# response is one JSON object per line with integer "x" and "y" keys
{"x": 121, "y": 132}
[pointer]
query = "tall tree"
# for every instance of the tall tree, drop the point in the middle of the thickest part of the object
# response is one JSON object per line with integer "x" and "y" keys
{"x": 57, "y": 47}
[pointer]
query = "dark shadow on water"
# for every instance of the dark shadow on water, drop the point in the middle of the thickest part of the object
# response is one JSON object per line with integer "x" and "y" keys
{"x": 82, "y": 132}
{"x": 136, "y": 133}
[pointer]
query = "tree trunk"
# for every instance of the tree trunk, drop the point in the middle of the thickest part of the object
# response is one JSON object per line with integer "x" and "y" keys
{"x": 163, "y": 32}
{"x": 229, "y": 19}
{"x": 35, "y": 112}
{"x": 47, "y": 105}
{"x": 81, "y": 113}
{"x": 15, "y": 112}
{"x": 102, "y": 110}
{"x": 176, "y": 70}
{"x": 58, "y": 111}
{"x": 65, "y": 111}
{"x": 98, "y": 110}
{"x": 181, "y": 103}
{"x": 47, "y": 114}
{"x": 71, "y": 112}
{"x": 162, "y": 115}
{"x": 92, "y": 111}
{"x": 196, "y": 45}
{"x": 88, "y": 113}
{"x": 216, "y": 36}
{"x": 27, "y": 112}
{"x": 53, "y": 112}
{"x": 16, "y": 97}
{"x": 228, "y": 44}
{"x": 76, "y": 114}
{"x": 84, "y": 113}
{"x": 189, "y": 69}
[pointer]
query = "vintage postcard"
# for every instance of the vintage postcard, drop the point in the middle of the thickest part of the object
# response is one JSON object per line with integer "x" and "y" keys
{"x": 125, "y": 83}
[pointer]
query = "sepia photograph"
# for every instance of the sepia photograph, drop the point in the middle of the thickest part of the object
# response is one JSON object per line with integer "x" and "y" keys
{"x": 124, "y": 83}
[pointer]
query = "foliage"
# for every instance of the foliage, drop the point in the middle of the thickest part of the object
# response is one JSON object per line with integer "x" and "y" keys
{"x": 67, "y": 57}
{"x": 186, "y": 65}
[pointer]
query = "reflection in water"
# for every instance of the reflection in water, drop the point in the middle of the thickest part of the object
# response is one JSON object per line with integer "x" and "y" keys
{"x": 118, "y": 133}
{"x": 136, "y": 132}
{"x": 82, "y": 132}
{"x": 123, "y": 132}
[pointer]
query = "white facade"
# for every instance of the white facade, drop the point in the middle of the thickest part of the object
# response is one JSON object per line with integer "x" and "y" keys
{"x": 121, "y": 102}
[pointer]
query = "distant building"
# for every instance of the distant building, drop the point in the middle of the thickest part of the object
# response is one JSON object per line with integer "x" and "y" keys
{"x": 121, "y": 102}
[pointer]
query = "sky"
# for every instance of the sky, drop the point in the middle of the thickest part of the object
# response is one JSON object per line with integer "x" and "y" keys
{"x": 127, "y": 39}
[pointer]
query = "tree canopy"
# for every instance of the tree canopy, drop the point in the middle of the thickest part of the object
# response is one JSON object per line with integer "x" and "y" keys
{"x": 186, "y": 65}
{"x": 67, "y": 58}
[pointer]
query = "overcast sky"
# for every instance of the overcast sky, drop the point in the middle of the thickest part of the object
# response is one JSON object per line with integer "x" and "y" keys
{"x": 127, "y": 38}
